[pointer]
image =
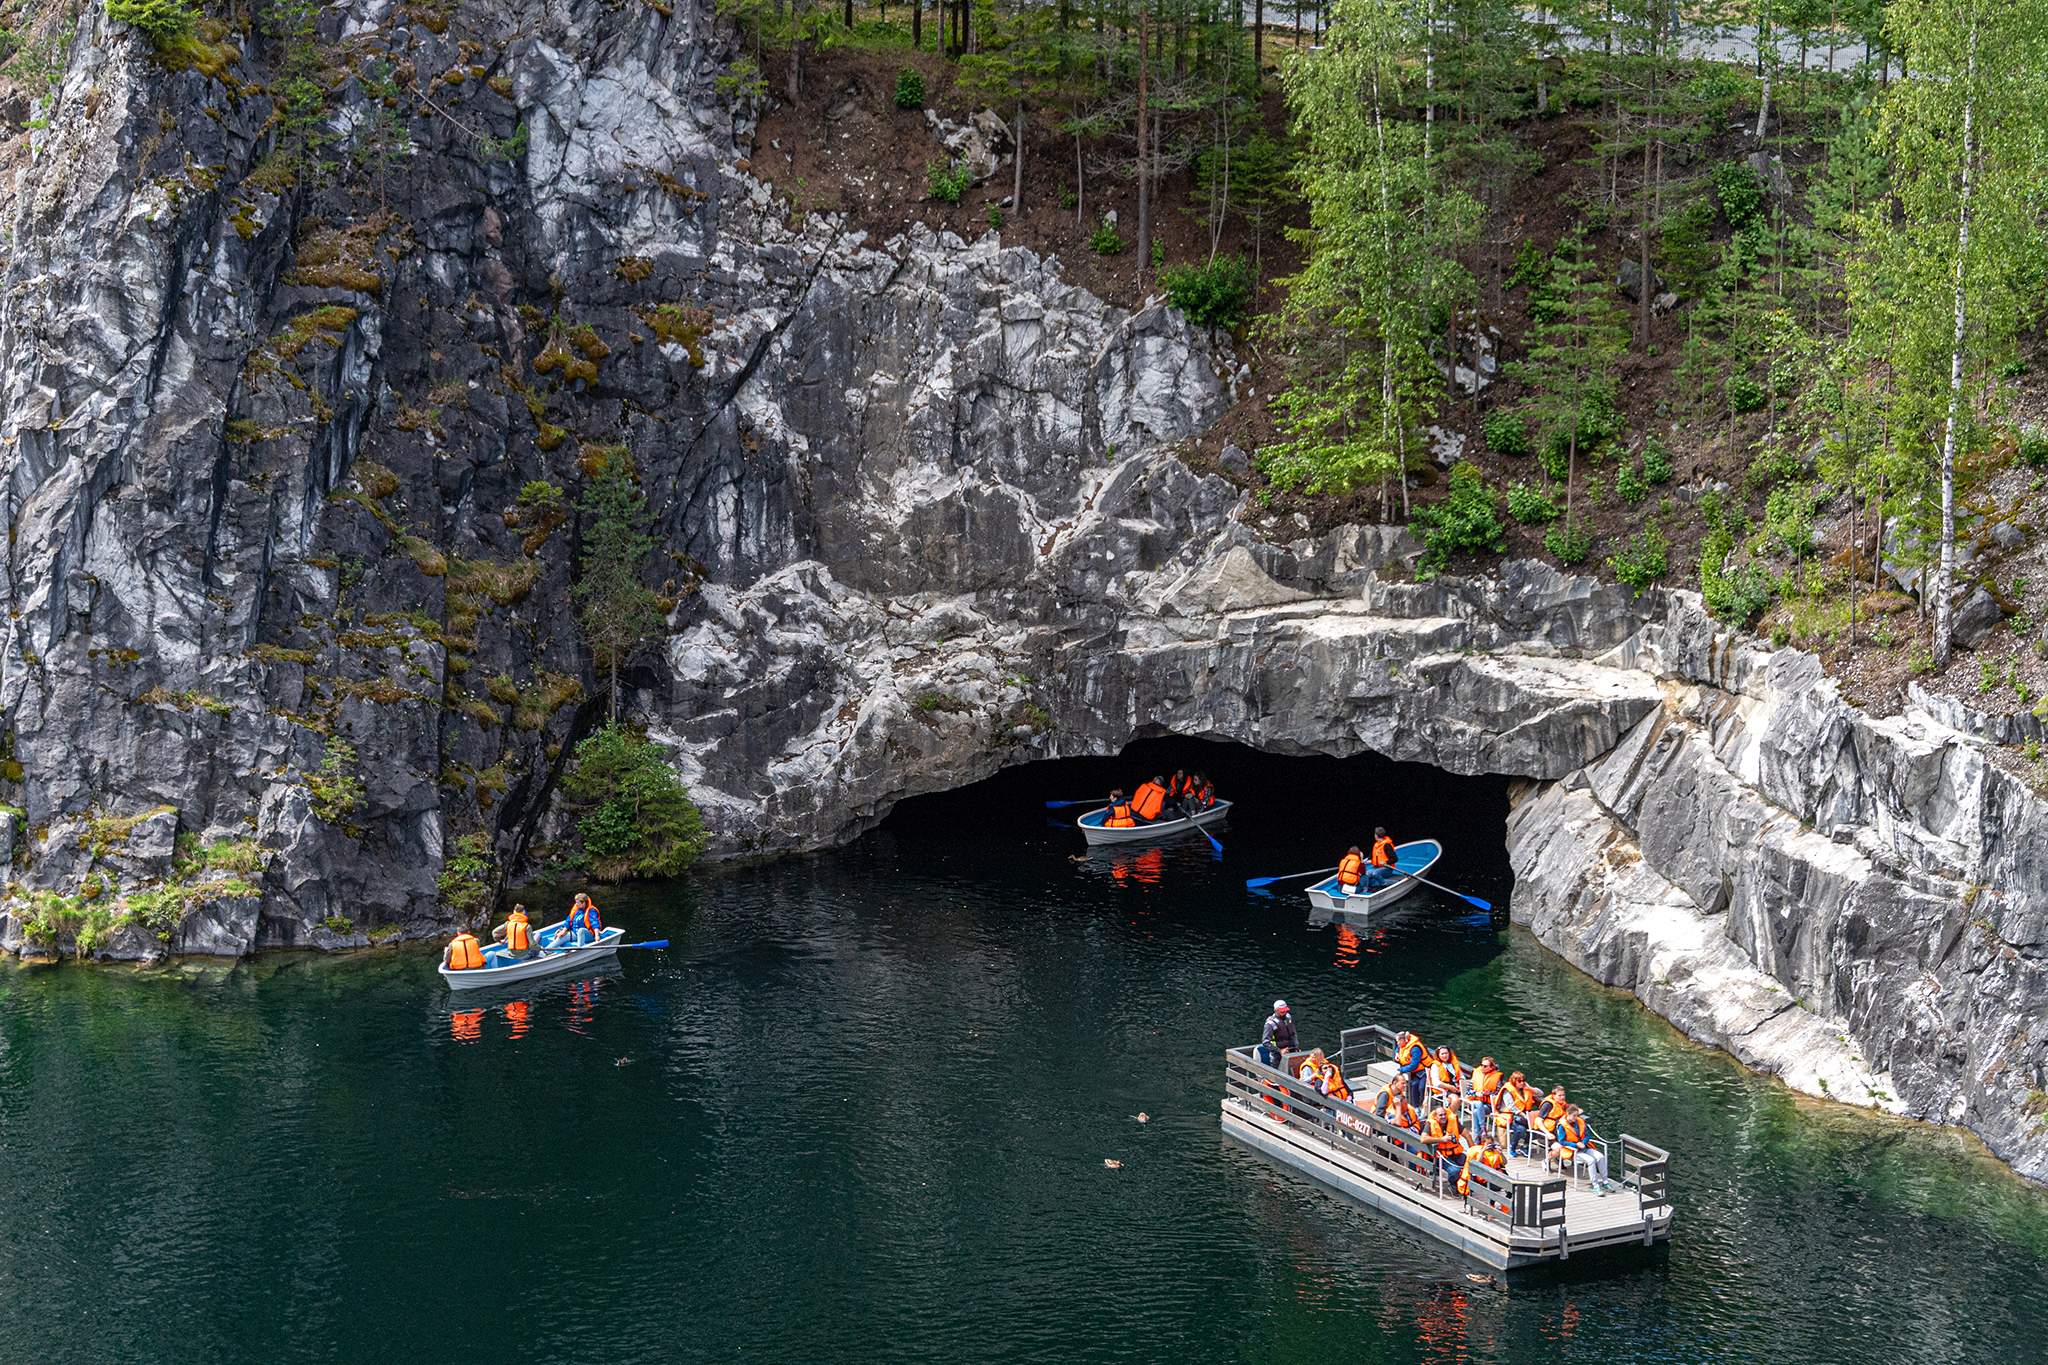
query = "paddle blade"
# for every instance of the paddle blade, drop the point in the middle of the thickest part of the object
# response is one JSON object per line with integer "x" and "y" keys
{"x": 1091, "y": 801}
{"x": 1254, "y": 883}
{"x": 1477, "y": 903}
{"x": 650, "y": 943}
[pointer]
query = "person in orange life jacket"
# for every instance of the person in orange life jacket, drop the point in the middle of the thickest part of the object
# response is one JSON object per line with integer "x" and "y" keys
{"x": 1148, "y": 801}
{"x": 1518, "y": 1099}
{"x": 1395, "y": 1091}
{"x": 1486, "y": 1154}
{"x": 1411, "y": 1060}
{"x": 1446, "y": 1078}
{"x": 1178, "y": 790}
{"x": 463, "y": 953}
{"x": 583, "y": 925}
{"x": 1382, "y": 871}
{"x": 1120, "y": 816}
{"x": 1442, "y": 1133}
{"x": 1202, "y": 793}
{"x": 1324, "y": 1076}
{"x": 1279, "y": 1037}
{"x": 1548, "y": 1111}
{"x": 1402, "y": 1114}
{"x": 1350, "y": 870}
{"x": 1485, "y": 1089}
{"x": 1574, "y": 1136}
{"x": 515, "y": 934}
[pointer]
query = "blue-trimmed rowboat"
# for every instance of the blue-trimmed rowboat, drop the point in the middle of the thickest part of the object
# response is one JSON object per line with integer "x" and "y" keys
{"x": 1413, "y": 858}
{"x": 1096, "y": 832}
{"x": 501, "y": 969}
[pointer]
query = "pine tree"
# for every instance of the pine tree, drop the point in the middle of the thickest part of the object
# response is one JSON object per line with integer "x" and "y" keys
{"x": 618, "y": 614}
{"x": 1572, "y": 349}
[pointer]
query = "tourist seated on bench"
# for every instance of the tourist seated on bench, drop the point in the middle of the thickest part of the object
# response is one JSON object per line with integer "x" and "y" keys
{"x": 1119, "y": 816}
{"x": 1442, "y": 1133}
{"x": 1489, "y": 1155}
{"x": 1402, "y": 1114}
{"x": 1149, "y": 801}
{"x": 1446, "y": 1079}
{"x": 1486, "y": 1082}
{"x": 1549, "y": 1110}
{"x": 1322, "y": 1075}
{"x": 1577, "y": 1150}
{"x": 1382, "y": 871}
{"x": 1518, "y": 1099}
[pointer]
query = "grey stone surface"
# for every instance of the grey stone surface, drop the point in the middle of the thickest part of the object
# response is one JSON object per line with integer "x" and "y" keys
{"x": 1976, "y": 616}
{"x": 261, "y": 512}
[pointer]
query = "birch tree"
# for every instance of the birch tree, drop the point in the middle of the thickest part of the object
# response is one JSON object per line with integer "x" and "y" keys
{"x": 1947, "y": 268}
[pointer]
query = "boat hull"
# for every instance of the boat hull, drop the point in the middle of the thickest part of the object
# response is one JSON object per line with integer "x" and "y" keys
{"x": 1415, "y": 858}
{"x": 533, "y": 968}
{"x": 1096, "y": 833}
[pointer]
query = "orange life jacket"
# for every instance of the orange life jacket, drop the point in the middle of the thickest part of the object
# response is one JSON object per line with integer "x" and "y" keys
{"x": 1401, "y": 1114}
{"x": 1551, "y": 1112}
{"x": 1520, "y": 1098}
{"x": 1482, "y": 1157}
{"x": 1208, "y": 796}
{"x": 1408, "y": 1050}
{"x": 1120, "y": 817}
{"x": 1149, "y": 801}
{"x": 1486, "y": 1080}
{"x": 464, "y": 954}
{"x": 1444, "y": 1075}
{"x": 518, "y": 933}
{"x": 1351, "y": 869}
{"x": 1572, "y": 1131}
{"x": 1180, "y": 786}
{"x": 1383, "y": 852}
{"x": 1326, "y": 1078}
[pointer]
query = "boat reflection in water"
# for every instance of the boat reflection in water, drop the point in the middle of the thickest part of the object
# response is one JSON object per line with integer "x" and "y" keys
{"x": 1353, "y": 947}
{"x": 576, "y": 1000}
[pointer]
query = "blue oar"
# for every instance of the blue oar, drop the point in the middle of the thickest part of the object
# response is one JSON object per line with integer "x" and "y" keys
{"x": 1091, "y": 801}
{"x": 1213, "y": 841}
{"x": 1473, "y": 901}
{"x": 1256, "y": 882}
{"x": 588, "y": 947}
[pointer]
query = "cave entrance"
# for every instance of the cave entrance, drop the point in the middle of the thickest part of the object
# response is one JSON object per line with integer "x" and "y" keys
{"x": 1292, "y": 813}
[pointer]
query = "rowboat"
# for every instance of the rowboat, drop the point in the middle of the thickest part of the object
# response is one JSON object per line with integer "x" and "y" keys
{"x": 1415, "y": 859}
{"x": 500, "y": 969}
{"x": 1094, "y": 829}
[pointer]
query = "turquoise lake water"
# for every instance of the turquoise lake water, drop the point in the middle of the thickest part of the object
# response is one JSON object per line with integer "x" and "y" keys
{"x": 861, "y": 1109}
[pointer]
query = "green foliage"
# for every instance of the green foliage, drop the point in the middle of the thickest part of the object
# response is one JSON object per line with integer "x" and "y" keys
{"x": 336, "y": 788}
{"x": 1656, "y": 462}
{"x": 163, "y": 22}
{"x": 1737, "y": 595}
{"x": 910, "y": 88}
{"x": 1744, "y": 393}
{"x": 1642, "y": 560}
{"x": 1531, "y": 267}
{"x": 1571, "y": 544}
{"x": 1569, "y": 368}
{"x": 946, "y": 181}
{"x": 1630, "y": 485}
{"x": 1217, "y": 294}
{"x": 1531, "y": 506}
{"x": 468, "y": 879}
{"x": 540, "y": 496}
{"x": 995, "y": 216}
{"x": 617, "y": 612}
{"x": 636, "y": 818}
{"x": 2032, "y": 447}
{"x": 1507, "y": 432}
{"x": 511, "y": 147}
{"x": 1788, "y": 518}
{"x": 1466, "y": 522}
{"x": 1739, "y": 194}
{"x": 1105, "y": 241}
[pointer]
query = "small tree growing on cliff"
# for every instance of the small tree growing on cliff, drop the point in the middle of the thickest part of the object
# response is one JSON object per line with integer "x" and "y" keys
{"x": 617, "y": 612}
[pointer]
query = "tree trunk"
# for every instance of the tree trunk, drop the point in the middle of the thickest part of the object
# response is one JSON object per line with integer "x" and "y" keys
{"x": 1080, "y": 186}
{"x": 1017, "y": 180}
{"x": 849, "y": 13}
{"x": 917, "y": 25}
{"x": 1258, "y": 37}
{"x": 1144, "y": 202}
{"x": 1944, "y": 612}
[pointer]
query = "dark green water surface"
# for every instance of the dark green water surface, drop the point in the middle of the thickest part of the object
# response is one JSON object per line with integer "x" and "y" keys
{"x": 861, "y": 1110}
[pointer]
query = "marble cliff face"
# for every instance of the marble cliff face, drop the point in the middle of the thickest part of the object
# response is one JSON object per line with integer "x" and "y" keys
{"x": 920, "y": 514}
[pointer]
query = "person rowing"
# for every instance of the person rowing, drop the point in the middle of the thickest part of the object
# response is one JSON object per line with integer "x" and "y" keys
{"x": 583, "y": 925}
{"x": 515, "y": 934}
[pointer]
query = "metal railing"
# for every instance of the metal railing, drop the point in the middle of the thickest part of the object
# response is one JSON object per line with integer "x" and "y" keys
{"x": 1403, "y": 1153}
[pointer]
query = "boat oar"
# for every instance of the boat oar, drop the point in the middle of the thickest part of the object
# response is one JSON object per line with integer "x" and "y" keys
{"x": 1472, "y": 901}
{"x": 1214, "y": 842}
{"x": 1256, "y": 882}
{"x": 1090, "y": 801}
{"x": 590, "y": 947}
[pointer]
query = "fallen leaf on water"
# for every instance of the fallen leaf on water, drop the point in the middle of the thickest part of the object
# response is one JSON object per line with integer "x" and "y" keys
{"x": 1142, "y": 1117}
{"x": 1112, "y": 1163}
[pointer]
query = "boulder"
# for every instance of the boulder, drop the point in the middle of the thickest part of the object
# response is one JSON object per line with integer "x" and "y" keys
{"x": 1629, "y": 280}
{"x": 1976, "y": 616}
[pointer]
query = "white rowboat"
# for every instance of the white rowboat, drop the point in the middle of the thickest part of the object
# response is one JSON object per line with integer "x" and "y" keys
{"x": 1096, "y": 832}
{"x": 545, "y": 963}
{"x": 1415, "y": 859}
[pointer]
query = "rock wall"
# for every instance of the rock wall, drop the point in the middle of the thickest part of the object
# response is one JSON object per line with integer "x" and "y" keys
{"x": 289, "y": 627}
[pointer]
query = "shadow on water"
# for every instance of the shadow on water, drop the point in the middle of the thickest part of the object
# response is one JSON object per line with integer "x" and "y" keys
{"x": 861, "y": 1111}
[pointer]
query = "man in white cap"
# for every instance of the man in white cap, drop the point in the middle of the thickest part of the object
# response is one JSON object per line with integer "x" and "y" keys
{"x": 1279, "y": 1038}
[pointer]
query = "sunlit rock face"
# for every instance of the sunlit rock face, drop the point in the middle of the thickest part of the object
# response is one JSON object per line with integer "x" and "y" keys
{"x": 269, "y": 443}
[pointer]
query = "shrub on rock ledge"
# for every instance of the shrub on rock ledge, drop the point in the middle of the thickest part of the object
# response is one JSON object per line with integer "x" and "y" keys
{"x": 637, "y": 819}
